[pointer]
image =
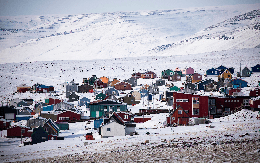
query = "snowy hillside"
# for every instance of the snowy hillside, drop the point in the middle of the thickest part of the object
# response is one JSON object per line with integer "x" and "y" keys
{"x": 125, "y": 34}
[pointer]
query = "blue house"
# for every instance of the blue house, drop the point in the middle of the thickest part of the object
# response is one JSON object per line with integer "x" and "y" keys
{"x": 143, "y": 92}
{"x": 84, "y": 101}
{"x": 256, "y": 68}
{"x": 47, "y": 108}
{"x": 221, "y": 68}
{"x": 238, "y": 83}
{"x": 212, "y": 71}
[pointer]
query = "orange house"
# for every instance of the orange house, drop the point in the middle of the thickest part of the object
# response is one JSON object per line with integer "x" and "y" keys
{"x": 114, "y": 82}
{"x": 225, "y": 75}
{"x": 104, "y": 79}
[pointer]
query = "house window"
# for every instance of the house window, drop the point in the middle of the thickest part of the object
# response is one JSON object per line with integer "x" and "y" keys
{"x": 171, "y": 73}
{"x": 246, "y": 102}
{"x": 227, "y": 110}
{"x": 108, "y": 129}
{"x": 195, "y": 100}
{"x": 196, "y": 111}
{"x": 179, "y": 111}
{"x": 237, "y": 100}
{"x": 118, "y": 108}
{"x": 187, "y": 111}
{"x": 173, "y": 118}
{"x": 44, "y": 138}
{"x": 234, "y": 100}
{"x": 219, "y": 111}
{"x": 213, "y": 110}
{"x": 125, "y": 116}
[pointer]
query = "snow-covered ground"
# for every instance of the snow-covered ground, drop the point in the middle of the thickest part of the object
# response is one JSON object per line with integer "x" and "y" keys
{"x": 52, "y": 50}
{"x": 127, "y": 34}
{"x": 242, "y": 125}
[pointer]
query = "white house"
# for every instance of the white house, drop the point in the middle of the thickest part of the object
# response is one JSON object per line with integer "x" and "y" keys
{"x": 112, "y": 129}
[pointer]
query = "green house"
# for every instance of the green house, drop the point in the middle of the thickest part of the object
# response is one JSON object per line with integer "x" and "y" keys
{"x": 98, "y": 109}
{"x": 167, "y": 73}
{"x": 100, "y": 96}
{"x": 174, "y": 88}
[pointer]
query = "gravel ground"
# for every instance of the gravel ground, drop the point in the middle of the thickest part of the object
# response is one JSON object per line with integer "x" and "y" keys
{"x": 182, "y": 150}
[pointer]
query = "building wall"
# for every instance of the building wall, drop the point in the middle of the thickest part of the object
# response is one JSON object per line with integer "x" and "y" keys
{"x": 115, "y": 130}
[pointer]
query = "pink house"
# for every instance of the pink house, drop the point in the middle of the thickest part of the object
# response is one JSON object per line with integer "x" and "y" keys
{"x": 189, "y": 71}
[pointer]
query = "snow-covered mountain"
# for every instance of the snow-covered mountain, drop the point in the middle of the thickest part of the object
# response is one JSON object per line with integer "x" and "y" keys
{"x": 128, "y": 34}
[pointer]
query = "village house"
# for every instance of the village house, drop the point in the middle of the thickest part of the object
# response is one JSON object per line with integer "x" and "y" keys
{"x": 85, "y": 88}
{"x": 39, "y": 135}
{"x": 99, "y": 109}
{"x": 98, "y": 84}
{"x": 167, "y": 73}
{"x": 132, "y": 81}
{"x": 255, "y": 104}
{"x": 196, "y": 78}
{"x": 146, "y": 75}
{"x": 71, "y": 87}
{"x": 256, "y": 68}
{"x": 118, "y": 125}
{"x": 35, "y": 122}
{"x": 175, "y": 77}
{"x": 18, "y": 131}
{"x": 90, "y": 81}
{"x": 114, "y": 82}
{"x": 189, "y": 71}
{"x": 194, "y": 105}
{"x": 39, "y": 88}
{"x": 51, "y": 128}
{"x": 212, "y": 72}
{"x": 68, "y": 116}
{"x": 225, "y": 75}
{"x": 100, "y": 96}
{"x": 49, "y": 114}
{"x": 84, "y": 102}
{"x": 129, "y": 99}
{"x": 123, "y": 86}
{"x": 104, "y": 79}
{"x": 8, "y": 113}
{"x": 73, "y": 97}
{"x": 4, "y": 124}
{"x": 255, "y": 92}
{"x": 178, "y": 116}
{"x": 23, "y": 88}
{"x": 246, "y": 72}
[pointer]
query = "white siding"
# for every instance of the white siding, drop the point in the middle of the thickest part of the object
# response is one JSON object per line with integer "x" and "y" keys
{"x": 115, "y": 130}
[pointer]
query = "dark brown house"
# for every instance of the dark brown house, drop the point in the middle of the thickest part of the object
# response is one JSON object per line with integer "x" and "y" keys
{"x": 123, "y": 86}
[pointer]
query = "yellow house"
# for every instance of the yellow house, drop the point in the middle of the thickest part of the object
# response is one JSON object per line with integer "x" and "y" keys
{"x": 225, "y": 75}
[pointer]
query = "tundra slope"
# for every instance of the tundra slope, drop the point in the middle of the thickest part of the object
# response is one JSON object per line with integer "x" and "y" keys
{"x": 121, "y": 34}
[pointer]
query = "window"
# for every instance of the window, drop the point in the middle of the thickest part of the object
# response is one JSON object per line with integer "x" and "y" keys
{"x": 173, "y": 118}
{"x": 108, "y": 129}
{"x": 234, "y": 100}
{"x": 182, "y": 100}
{"x": 125, "y": 116}
{"x": 195, "y": 100}
{"x": 187, "y": 111}
{"x": 179, "y": 111}
{"x": 171, "y": 73}
{"x": 118, "y": 108}
{"x": 196, "y": 111}
{"x": 219, "y": 111}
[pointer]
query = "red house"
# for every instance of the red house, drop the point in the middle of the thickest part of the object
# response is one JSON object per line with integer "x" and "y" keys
{"x": 89, "y": 136}
{"x": 255, "y": 104}
{"x": 178, "y": 116}
{"x": 15, "y": 132}
{"x": 194, "y": 105}
{"x": 123, "y": 86}
{"x": 4, "y": 124}
{"x": 53, "y": 101}
{"x": 126, "y": 117}
{"x": 141, "y": 119}
{"x": 255, "y": 93}
{"x": 68, "y": 116}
